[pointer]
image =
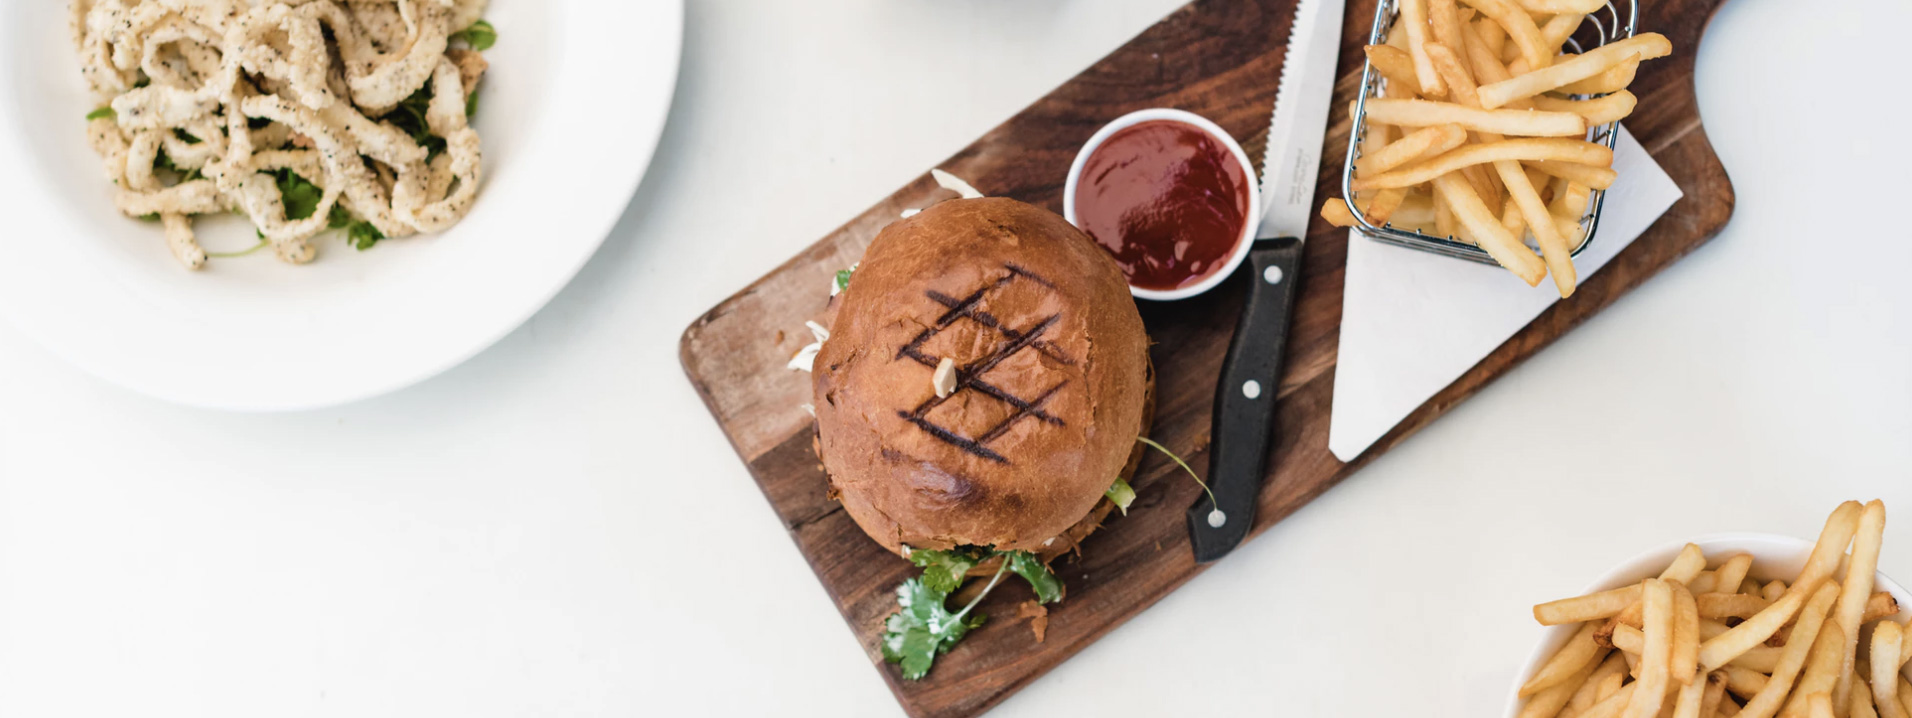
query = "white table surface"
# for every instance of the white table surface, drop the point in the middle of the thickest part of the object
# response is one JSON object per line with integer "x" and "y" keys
{"x": 557, "y": 528}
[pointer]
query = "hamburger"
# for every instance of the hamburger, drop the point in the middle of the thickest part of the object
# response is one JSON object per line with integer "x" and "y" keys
{"x": 979, "y": 400}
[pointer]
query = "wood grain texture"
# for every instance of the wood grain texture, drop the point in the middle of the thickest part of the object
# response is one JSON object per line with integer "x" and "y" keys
{"x": 1219, "y": 59}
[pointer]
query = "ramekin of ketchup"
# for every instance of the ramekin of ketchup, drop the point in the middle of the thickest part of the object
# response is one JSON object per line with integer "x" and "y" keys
{"x": 1170, "y": 195}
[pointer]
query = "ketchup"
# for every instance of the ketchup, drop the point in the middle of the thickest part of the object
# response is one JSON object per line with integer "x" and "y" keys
{"x": 1167, "y": 199}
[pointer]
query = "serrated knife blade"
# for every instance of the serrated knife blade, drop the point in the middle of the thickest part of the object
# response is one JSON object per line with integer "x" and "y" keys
{"x": 1244, "y": 423}
{"x": 1300, "y": 119}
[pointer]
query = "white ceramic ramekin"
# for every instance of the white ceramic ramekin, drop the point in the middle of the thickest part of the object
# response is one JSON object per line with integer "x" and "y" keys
{"x": 1250, "y": 222}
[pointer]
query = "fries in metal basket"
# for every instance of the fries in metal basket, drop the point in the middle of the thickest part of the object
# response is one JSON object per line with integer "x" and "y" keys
{"x": 1492, "y": 105}
{"x": 1693, "y": 642}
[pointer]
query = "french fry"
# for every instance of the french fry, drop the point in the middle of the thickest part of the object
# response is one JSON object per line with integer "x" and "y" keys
{"x": 1548, "y": 702}
{"x": 1830, "y": 549}
{"x": 1743, "y": 682}
{"x": 1493, "y": 36}
{"x": 1524, "y": 123}
{"x": 1571, "y": 202}
{"x": 1615, "y": 79}
{"x": 1486, "y": 228}
{"x": 1605, "y": 679}
{"x": 1754, "y": 631}
{"x": 1861, "y": 706}
{"x": 1687, "y": 564}
{"x": 1426, "y": 142}
{"x": 1393, "y": 63}
{"x": 1856, "y": 591}
{"x": 1597, "y": 111}
{"x": 1730, "y": 605}
{"x": 1733, "y": 572}
{"x": 1614, "y": 704}
{"x": 1542, "y": 77}
{"x": 1549, "y": 7}
{"x": 1657, "y": 597}
{"x": 1511, "y": 219}
{"x": 1336, "y": 212}
{"x": 1819, "y": 705}
{"x": 1558, "y": 28}
{"x": 1822, "y": 668}
{"x": 1773, "y": 590}
{"x": 1578, "y": 653}
{"x": 1520, "y": 28}
{"x": 1413, "y": 15}
{"x": 1770, "y": 698}
{"x": 1880, "y": 605}
{"x": 1686, "y": 634}
{"x": 1687, "y": 702}
{"x": 1444, "y": 18}
{"x": 1385, "y": 203}
{"x": 1715, "y": 694}
{"x": 1587, "y": 176}
{"x": 1759, "y": 658}
{"x": 1444, "y": 214}
{"x": 1519, "y": 149}
{"x": 1886, "y": 638}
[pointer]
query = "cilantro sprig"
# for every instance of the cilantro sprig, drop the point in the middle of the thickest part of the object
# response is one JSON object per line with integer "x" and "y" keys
{"x": 923, "y": 626}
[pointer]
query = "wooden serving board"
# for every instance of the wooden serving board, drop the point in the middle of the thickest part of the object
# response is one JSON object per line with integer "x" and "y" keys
{"x": 1220, "y": 59}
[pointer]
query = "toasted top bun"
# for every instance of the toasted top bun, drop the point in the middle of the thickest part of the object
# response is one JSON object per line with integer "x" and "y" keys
{"x": 1052, "y": 377}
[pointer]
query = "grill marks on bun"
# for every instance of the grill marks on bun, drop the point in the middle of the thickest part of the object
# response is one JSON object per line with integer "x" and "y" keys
{"x": 1051, "y": 379}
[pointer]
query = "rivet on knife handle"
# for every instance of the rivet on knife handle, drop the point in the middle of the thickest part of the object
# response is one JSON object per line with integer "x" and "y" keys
{"x": 1244, "y": 423}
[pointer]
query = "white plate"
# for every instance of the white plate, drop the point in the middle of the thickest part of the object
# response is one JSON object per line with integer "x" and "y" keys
{"x": 570, "y": 113}
{"x": 1774, "y": 557}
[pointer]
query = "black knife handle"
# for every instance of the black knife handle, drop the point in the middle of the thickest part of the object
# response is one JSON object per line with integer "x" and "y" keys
{"x": 1245, "y": 400}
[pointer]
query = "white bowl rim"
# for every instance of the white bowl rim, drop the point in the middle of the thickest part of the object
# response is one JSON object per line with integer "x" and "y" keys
{"x": 1631, "y": 570}
{"x": 1199, "y": 122}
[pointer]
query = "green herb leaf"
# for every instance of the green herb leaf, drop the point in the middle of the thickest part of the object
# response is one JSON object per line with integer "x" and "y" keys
{"x": 471, "y": 104}
{"x": 339, "y": 217}
{"x": 161, "y": 161}
{"x": 1022, "y": 563}
{"x": 1121, "y": 494}
{"x": 945, "y": 570}
{"x": 922, "y": 628}
{"x": 300, "y": 196}
{"x": 104, "y": 113}
{"x": 480, "y": 36}
{"x": 154, "y": 217}
{"x": 409, "y": 116}
{"x": 842, "y": 281}
{"x": 185, "y": 136}
{"x": 362, "y": 235}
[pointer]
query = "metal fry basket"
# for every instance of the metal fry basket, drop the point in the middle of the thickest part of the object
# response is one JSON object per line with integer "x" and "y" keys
{"x": 1600, "y": 27}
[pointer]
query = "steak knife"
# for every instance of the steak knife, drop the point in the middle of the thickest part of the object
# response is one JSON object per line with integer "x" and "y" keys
{"x": 1244, "y": 422}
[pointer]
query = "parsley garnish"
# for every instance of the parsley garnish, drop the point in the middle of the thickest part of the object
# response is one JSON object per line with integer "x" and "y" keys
{"x": 923, "y": 628}
{"x": 161, "y": 161}
{"x": 480, "y": 36}
{"x": 471, "y": 104}
{"x": 104, "y": 113}
{"x": 362, "y": 235}
{"x": 300, "y": 196}
{"x": 409, "y": 116}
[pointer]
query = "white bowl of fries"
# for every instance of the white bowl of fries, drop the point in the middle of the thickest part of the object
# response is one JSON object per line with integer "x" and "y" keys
{"x": 1729, "y": 651}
